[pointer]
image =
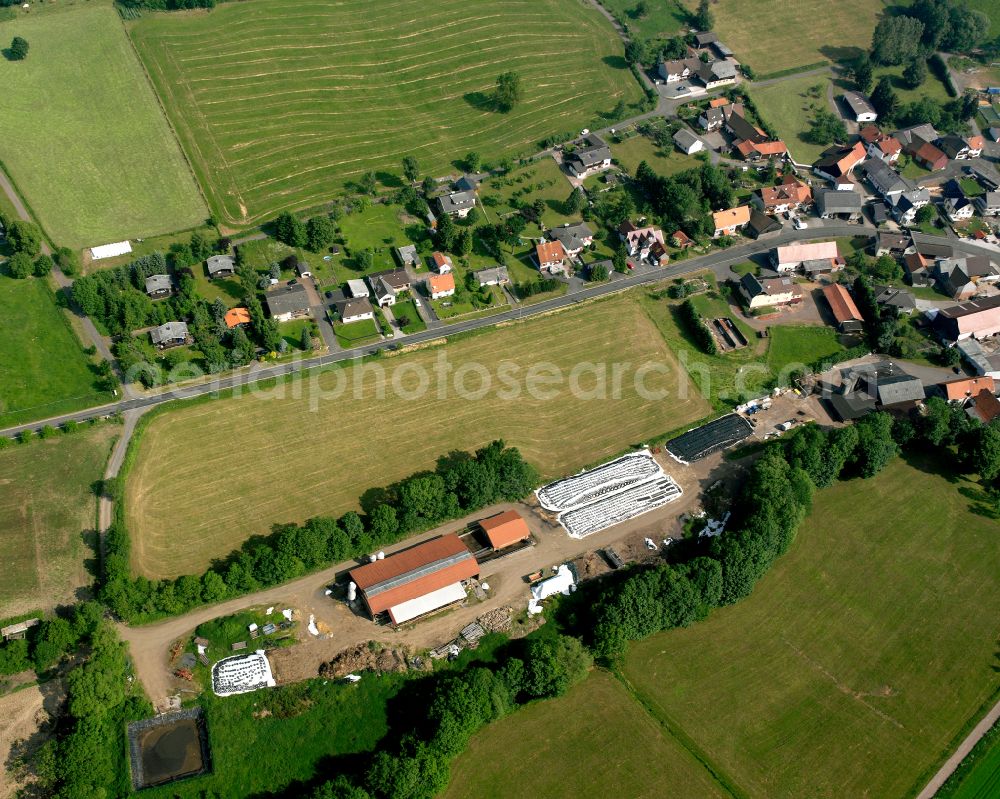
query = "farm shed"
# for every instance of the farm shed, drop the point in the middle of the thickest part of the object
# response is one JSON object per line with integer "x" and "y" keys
{"x": 844, "y": 310}
{"x": 417, "y": 580}
{"x": 110, "y": 250}
{"x": 505, "y": 529}
{"x": 718, "y": 434}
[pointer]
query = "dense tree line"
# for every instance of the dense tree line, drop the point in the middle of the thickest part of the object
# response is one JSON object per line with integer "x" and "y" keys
{"x": 685, "y": 200}
{"x": 697, "y": 328}
{"x": 461, "y": 483}
{"x": 47, "y": 643}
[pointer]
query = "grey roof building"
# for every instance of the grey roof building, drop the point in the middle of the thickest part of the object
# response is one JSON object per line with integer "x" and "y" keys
{"x": 354, "y": 309}
{"x": 407, "y": 255}
{"x": 171, "y": 334}
{"x": 761, "y": 224}
{"x": 595, "y": 154}
{"x": 866, "y": 387}
{"x": 158, "y": 285}
{"x": 458, "y": 203}
{"x": 830, "y": 202}
{"x": 886, "y": 180}
{"x": 687, "y": 141}
{"x": 286, "y": 301}
{"x": 860, "y": 106}
{"x": 221, "y": 265}
{"x": 705, "y": 38}
{"x": 989, "y": 203}
{"x": 900, "y": 299}
{"x": 493, "y": 277}
{"x": 572, "y": 237}
{"x": 925, "y": 132}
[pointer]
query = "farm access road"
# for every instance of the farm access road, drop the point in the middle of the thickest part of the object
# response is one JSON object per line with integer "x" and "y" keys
{"x": 718, "y": 261}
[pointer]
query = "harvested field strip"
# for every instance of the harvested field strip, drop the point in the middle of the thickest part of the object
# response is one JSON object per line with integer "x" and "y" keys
{"x": 278, "y": 106}
{"x": 208, "y": 476}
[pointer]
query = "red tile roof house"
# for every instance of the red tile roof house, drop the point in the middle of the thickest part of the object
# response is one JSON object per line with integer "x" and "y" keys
{"x": 848, "y": 317}
{"x": 439, "y": 286}
{"x": 730, "y": 221}
{"x": 838, "y": 162}
{"x": 984, "y": 406}
{"x": 881, "y": 145}
{"x": 551, "y": 257}
{"x": 642, "y": 242}
{"x": 505, "y": 529}
{"x": 418, "y": 580}
{"x": 442, "y": 263}
{"x": 926, "y": 154}
{"x": 681, "y": 240}
{"x": 779, "y": 199}
{"x": 964, "y": 387}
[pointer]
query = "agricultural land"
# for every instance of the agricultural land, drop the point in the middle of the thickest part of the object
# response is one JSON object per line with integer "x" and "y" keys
{"x": 276, "y": 107}
{"x": 43, "y": 368}
{"x": 855, "y": 666}
{"x": 82, "y": 134}
{"x": 184, "y": 509}
{"x": 47, "y": 509}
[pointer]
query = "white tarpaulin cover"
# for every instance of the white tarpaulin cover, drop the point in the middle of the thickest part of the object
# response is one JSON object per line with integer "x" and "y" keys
{"x": 560, "y": 584}
{"x": 110, "y": 250}
{"x": 412, "y": 608}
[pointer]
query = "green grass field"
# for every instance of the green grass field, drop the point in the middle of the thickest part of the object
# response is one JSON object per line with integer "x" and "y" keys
{"x": 858, "y": 661}
{"x": 788, "y": 107}
{"x": 978, "y": 776}
{"x": 772, "y": 37}
{"x": 316, "y": 451}
{"x": 793, "y": 345}
{"x": 43, "y": 369}
{"x": 540, "y": 180}
{"x": 82, "y": 134}
{"x": 279, "y": 107}
{"x": 664, "y": 18}
{"x": 46, "y": 506}
{"x": 354, "y": 334}
{"x": 595, "y": 741}
{"x": 636, "y": 149}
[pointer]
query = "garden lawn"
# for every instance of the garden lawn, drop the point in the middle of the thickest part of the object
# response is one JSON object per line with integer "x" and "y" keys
{"x": 47, "y": 505}
{"x": 354, "y": 334}
{"x": 540, "y": 180}
{"x": 594, "y": 741}
{"x": 43, "y": 369}
{"x": 773, "y": 37}
{"x": 256, "y": 753}
{"x": 406, "y": 308}
{"x": 788, "y": 108}
{"x": 797, "y": 346}
{"x": 931, "y": 88}
{"x": 859, "y": 660}
{"x": 279, "y": 107}
{"x": 636, "y": 149}
{"x": 182, "y": 511}
{"x": 83, "y": 137}
{"x": 664, "y": 18}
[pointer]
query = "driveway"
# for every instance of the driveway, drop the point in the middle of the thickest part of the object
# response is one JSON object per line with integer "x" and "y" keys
{"x": 320, "y": 313}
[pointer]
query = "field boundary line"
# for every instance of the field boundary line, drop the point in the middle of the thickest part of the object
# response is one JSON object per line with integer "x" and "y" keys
{"x": 723, "y": 780}
{"x": 33, "y": 217}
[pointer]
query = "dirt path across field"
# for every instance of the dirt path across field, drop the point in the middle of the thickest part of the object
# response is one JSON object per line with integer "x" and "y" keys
{"x": 150, "y": 644}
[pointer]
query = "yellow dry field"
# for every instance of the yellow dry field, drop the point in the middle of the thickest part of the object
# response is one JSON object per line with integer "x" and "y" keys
{"x": 21, "y": 715}
{"x": 208, "y": 476}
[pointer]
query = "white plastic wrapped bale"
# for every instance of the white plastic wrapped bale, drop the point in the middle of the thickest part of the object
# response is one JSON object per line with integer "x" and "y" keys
{"x": 589, "y": 486}
{"x": 620, "y": 507}
{"x": 110, "y": 250}
{"x": 242, "y": 674}
{"x": 561, "y": 583}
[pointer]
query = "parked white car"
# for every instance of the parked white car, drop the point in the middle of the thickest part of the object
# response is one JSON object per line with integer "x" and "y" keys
{"x": 799, "y": 223}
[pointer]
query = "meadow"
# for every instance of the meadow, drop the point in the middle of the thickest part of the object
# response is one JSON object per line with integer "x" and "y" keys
{"x": 664, "y": 161}
{"x": 43, "y": 368}
{"x": 46, "y": 505}
{"x": 594, "y": 741}
{"x": 662, "y": 19}
{"x": 277, "y": 107}
{"x": 800, "y": 344}
{"x": 857, "y": 664}
{"x": 773, "y": 37}
{"x": 82, "y": 134}
{"x": 978, "y": 776}
{"x": 788, "y": 106}
{"x": 209, "y": 475}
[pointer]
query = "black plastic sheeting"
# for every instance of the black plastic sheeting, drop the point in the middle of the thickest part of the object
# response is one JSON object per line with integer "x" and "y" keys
{"x": 719, "y": 434}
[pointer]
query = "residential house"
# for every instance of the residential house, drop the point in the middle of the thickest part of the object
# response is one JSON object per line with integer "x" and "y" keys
{"x": 979, "y": 319}
{"x": 220, "y": 266}
{"x": 989, "y": 204}
{"x": 759, "y": 151}
{"x": 917, "y": 268}
{"x": 880, "y": 145}
{"x": 158, "y": 286}
{"x": 589, "y": 159}
{"x": 926, "y": 154}
{"x": 717, "y": 73}
{"x": 831, "y": 203}
{"x": 172, "y": 334}
{"x": 964, "y": 388}
{"x": 901, "y": 300}
{"x": 681, "y": 240}
{"x": 439, "y": 286}
{"x": 761, "y": 225}
{"x": 868, "y": 387}
{"x": 789, "y": 257}
{"x": 678, "y": 69}
{"x": 236, "y": 317}
{"x": 924, "y": 133}
{"x": 354, "y": 310}
{"x": 407, "y": 256}
{"x": 442, "y": 263}
{"x": 884, "y": 179}
{"x": 984, "y": 406}
{"x": 287, "y": 302}
{"x": 959, "y": 209}
{"x": 730, "y": 221}
{"x": 386, "y": 285}
{"x": 860, "y": 107}
{"x": 496, "y": 276}
{"x": 959, "y": 148}
{"x": 894, "y": 244}
{"x": 712, "y": 118}
{"x": 457, "y": 204}
{"x": 739, "y": 126}
{"x": 551, "y": 257}
{"x": 645, "y": 243}
{"x": 687, "y": 142}
{"x": 838, "y": 162}
{"x": 783, "y": 198}
{"x": 904, "y": 206}
{"x": 845, "y": 311}
{"x": 574, "y": 238}
{"x": 769, "y": 292}
{"x": 960, "y": 277}
{"x": 357, "y": 288}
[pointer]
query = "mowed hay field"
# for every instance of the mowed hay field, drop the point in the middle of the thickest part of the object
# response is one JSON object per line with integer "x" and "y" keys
{"x": 83, "y": 136}
{"x": 857, "y": 661}
{"x": 772, "y": 37}
{"x": 46, "y": 505}
{"x": 278, "y": 105}
{"x": 208, "y": 476}
{"x": 595, "y": 741}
